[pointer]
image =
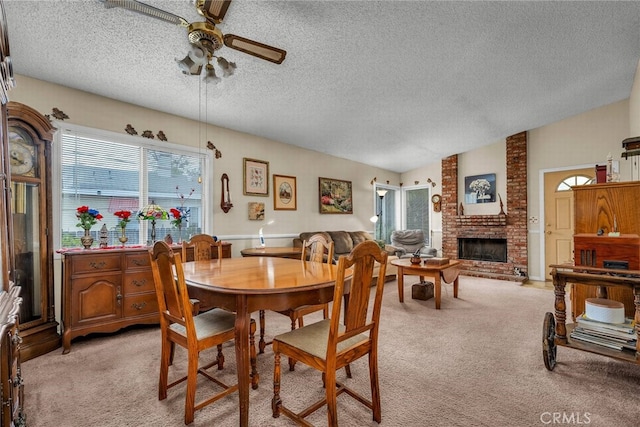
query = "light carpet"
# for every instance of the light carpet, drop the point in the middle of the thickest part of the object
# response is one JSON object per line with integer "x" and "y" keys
{"x": 476, "y": 362}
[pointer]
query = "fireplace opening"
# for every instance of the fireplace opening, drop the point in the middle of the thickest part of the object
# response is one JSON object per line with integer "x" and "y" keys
{"x": 480, "y": 249}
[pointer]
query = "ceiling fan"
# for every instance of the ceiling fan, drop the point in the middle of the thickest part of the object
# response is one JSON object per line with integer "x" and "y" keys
{"x": 204, "y": 36}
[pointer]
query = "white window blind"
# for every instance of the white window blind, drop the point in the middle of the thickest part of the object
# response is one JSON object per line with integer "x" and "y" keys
{"x": 127, "y": 174}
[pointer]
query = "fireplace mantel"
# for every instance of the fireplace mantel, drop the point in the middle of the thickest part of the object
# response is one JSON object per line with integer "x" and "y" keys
{"x": 481, "y": 220}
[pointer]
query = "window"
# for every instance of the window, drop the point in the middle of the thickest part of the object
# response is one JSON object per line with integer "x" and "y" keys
{"x": 566, "y": 184}
{"x": 385, "y": 210}
{"x": 416, "y": 210}
{"x": 402, "y": 209}
{"x": 111, "y": 172}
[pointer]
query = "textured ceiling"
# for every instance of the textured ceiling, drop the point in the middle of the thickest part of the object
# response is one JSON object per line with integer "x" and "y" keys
{"x": 393, "y": 84}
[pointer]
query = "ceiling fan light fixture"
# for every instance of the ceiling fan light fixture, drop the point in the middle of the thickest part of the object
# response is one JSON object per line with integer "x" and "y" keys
{"x": 185, "y": 64}
{"x": 210, "y": 75}
{"x": 198, "y": 55}
{"x": 228, "y": 68}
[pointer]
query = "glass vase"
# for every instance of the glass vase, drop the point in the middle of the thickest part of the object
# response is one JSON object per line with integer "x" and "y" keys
{"x": 179, "y": 234}
{"x": 87, "y": 239}
{"x": 123, "y": 239}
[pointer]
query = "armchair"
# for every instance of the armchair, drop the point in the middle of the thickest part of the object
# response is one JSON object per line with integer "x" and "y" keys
{"x": 406, "y": 242}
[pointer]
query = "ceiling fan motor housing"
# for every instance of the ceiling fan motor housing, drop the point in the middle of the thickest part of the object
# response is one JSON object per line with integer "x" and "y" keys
{"x": 206, "y": 35}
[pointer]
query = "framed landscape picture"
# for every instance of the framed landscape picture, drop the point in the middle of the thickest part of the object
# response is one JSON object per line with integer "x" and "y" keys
{"x": 335, "y": 196}
{"x": 255, "y": 178}
{"x": 284, "y": 193}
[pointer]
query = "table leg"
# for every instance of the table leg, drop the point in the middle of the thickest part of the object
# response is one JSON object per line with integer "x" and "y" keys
{"x": 400, "y": 284}
{"x": 437, "y": 282}
{"x": 242, "y": 357}
{"x": 455, "y": 288}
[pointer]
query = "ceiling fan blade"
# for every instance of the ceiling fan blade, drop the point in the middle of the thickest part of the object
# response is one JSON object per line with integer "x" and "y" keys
{"x": 254, "y": 48}
{"x": 213, "y": 10}
{"x": 146, "y": 9}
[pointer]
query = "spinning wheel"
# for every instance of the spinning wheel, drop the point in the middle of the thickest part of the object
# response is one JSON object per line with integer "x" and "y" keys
{"x": 549, "y": 347}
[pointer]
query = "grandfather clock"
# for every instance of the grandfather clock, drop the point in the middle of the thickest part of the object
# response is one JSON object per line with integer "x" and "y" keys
{"x": 30, "y": 135}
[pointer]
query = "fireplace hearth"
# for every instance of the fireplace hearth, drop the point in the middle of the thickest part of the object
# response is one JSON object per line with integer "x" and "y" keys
{"x": 482, "y": 249}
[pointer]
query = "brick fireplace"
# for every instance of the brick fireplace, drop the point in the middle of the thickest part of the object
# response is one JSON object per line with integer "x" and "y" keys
{"x": 509, "y": 224}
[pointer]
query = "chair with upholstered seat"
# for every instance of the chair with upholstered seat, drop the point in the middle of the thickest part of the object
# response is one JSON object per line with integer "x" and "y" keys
{"x": 203, "y": 247}
{"x": 316, "y": 249}
{"x": 180, "y": 325}
{"x": 329, "y": 344}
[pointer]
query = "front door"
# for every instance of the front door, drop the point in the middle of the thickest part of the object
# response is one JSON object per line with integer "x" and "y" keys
{"x": 559, "y": 216}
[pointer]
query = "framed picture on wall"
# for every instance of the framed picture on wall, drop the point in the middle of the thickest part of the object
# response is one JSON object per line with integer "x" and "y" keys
{"x": 284, "y": 193}
{"x": 256, "y": 211}
{"x": 480, "y": 188}
{"x": 255, "y": 177}
{"x": 335, "y": 196}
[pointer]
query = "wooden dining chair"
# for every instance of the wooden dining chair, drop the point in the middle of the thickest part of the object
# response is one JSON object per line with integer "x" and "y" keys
{"x": 329, "y": 345}
{"x": 204, "y": 247}
{"x": 180, "y": 325}
{"x": 316, "y": 249}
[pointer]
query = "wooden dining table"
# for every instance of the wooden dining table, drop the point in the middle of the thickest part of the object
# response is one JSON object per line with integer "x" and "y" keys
{"x": 246, "y": 285}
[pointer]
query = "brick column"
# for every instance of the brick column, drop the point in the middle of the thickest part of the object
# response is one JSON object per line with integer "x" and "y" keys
{"x": 449, "y": 206}
{"x": 517, "y": 222}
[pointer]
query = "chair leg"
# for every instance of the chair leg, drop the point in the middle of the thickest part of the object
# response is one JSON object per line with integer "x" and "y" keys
{"x": 331, "y": 393}
{"x": 261, "y": 343}
{"x": 192, "y": 379}
{"x": 255, "y": 377}
{"x": 293, "y": 317}
{"x": 173, "y": 350}
{"x": 220, "y": 358}
{"x": 375, "y": 387}
{"x": 276, "y": 402}
{"x": 165, "y": 360}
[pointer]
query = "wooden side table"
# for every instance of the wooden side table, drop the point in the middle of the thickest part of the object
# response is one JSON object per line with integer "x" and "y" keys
{"x": 448, "y": 273}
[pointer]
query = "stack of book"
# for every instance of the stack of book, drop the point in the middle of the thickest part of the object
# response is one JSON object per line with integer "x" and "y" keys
{"x": 617, "y": 336}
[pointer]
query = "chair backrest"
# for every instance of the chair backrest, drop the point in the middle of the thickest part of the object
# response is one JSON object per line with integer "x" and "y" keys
{"x": 203, "y": 247}
{"x": 316, "y": 249}
{"x": 361, "y": 261}
{"x": 171, "y": 289}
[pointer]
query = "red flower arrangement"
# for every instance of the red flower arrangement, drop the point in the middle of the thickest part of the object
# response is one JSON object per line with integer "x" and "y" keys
{"x": 177, "y": 217}
{"x": 87, "y": 217}
{"x": 124, "y": 218}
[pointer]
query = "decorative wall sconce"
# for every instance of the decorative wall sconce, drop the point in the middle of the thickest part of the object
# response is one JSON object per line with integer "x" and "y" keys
{"x": 225, "y": 201}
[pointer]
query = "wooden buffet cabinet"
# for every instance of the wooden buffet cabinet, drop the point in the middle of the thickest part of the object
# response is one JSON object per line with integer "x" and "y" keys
{"x": 603, "y": 207}
{"x": 105, "y": 290}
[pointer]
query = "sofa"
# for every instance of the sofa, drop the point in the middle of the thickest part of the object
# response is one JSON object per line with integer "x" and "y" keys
{"x": 344, "y": 242}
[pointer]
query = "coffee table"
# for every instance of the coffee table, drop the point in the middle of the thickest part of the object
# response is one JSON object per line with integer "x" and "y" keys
{"x": 447, "y": 272}
{"x": 277, "y": 252}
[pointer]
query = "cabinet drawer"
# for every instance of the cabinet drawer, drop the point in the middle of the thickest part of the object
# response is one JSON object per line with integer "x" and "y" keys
{"x": 95, "y": 263}
{"x": 137, "y": 260}
{"x": 141, "y": 281}
{"x": 137, "y": 305}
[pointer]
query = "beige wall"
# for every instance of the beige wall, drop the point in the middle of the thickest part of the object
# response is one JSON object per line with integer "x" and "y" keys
{"x": 103, "y": 113}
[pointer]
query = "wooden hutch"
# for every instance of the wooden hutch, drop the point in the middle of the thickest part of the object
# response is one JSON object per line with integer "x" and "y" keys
{"x": 605, "y": 208}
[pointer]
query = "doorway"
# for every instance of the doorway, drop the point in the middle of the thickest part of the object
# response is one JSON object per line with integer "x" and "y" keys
{"x": 559, "y": 214}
